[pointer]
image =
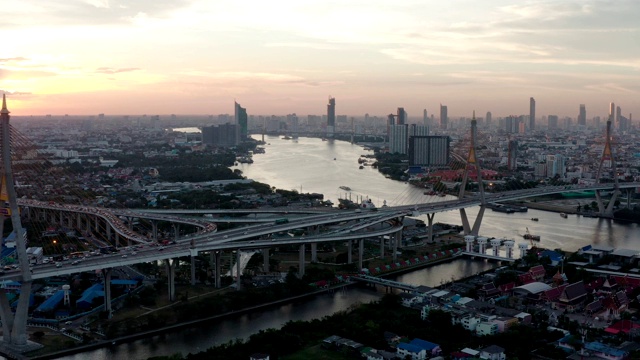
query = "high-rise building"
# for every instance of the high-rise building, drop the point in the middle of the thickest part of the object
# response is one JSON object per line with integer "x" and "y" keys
{"x": 401, "y": 117}
{"x": 582, "y": 116}
{"x": 398, "y": 135}
{"x": 241, "y": 121}
{"x": 512, "y": 155}
{"x": 488, "y": 117}
{"x": 425, "y": 118}
{"x": 429, "y": 151}
{"x": 619, "y": 120}
{"x": 223, "y": 135}
{"x": 443, "y": 116}
{"x": 532, "y": 114}
{"x": 552, "y": 122}
{"x": 612, "y": 112}
{"x": 331, "y": 116}
{"x": 556, "y": 166}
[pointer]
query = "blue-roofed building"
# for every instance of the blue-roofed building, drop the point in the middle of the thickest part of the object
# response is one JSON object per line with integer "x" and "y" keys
{"x": 431, "y": 349}
{"x": 86, "y": 300}
{"x": 32, "y": 301}
{"x": 555, "y": 257}
{"x": 50, "y": 304}
{"x": 418, "y": 349}
{"x": 605, "y": 351}
{"x": 415, "y": 352}
{"x": 10, "y": 285}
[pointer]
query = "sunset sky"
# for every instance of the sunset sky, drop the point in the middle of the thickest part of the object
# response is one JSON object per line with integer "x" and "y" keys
{"x": 279, "y": 57}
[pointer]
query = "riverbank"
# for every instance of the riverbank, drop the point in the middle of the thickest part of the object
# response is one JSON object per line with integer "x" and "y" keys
{"x": 160, "y": 331}
{"x": 193, "y": 323}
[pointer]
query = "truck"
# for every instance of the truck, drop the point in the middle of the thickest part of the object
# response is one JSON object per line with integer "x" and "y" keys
{"x": 282, "y": 221}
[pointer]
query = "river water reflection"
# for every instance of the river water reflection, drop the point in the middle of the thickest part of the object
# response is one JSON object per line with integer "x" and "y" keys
{"x": 313, "y": 165}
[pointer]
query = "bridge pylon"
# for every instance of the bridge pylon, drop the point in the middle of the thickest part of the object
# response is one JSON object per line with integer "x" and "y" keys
{"x": 14, "y": 325}
{"x": 607, "y": 155}
{"x": 472, "y": 164}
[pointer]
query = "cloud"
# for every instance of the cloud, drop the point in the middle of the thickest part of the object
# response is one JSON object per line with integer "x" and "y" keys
{"x": 90, "y": 12}
{"x": 13, "y": 59}
{"x": 17, "y": 93}
{"x": 108, "y": 70}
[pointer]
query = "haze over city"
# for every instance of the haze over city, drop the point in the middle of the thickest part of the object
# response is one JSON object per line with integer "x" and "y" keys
{"x": 196, "y": 57}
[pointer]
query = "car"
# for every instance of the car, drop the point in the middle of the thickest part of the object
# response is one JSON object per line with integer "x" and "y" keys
{"x": 134, "y": 253}
{"x": 161, "y": 248}
{"x": 124, "y": 256}
{"x": 76, "y": 262}
{"x": 68, "y": 322}
{"x": 245, "y": 233}
{"x": 225, "y": 237}
{"x": 58, "y": 264}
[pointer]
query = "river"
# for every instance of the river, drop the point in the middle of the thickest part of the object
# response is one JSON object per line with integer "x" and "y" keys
{"x": 308, "y": 165}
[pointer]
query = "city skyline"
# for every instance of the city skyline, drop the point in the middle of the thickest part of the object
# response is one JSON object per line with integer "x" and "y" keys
{"x": 196, "y": 57}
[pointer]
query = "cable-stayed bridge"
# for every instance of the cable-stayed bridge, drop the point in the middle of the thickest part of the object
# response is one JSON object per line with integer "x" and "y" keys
{"x": 343, "y": 226}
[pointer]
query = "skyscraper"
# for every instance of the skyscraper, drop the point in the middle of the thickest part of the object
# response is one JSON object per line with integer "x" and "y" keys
{"x": 619, "y": 120}
{"x": 331, "y": 116}
{"x": 612, "y": 112}
{"x": 552, "y": 122}
{"x": 425, "y": 118}
{"x": 401, "y": 116}
{"x": 443, "y": 116}
{"x": 582, "y": 116}
{"x": 241, "y": 121}
{"x": 488, "y": 118}
{"x": 512, "y": 155}
{"x": 532, "y": 113}
{"x": 429, "y": 151}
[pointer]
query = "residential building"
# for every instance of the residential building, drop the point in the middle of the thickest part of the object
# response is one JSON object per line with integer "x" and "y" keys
{"x": 492, "y": 352}
{"x": 486, "y": 328}
{"x": 429, "y": 151}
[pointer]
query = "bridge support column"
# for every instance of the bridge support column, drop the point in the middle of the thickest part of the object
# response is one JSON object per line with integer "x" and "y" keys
{"x": 314, "y": 252}
{"x": 397, "y": 238}
{"x": 70, "y": 220}
{"x": 349, "y": 251}
{"x": 109, "y": 233}
{"x": 7, "y": 317}
{"x": 608, "y": 210}
{"x": 238, "y": 271}
{"x": 117, "y": 239}
{"x": 476, "y": 224}
{"x": 360, "y": 253}
{"x": 430, "y": 224}
{"x": 381, "y": 247}
{"x": 14, "y": 326}
{"x": 154, "y": 230}
{"x": 61, "y": 218}
{"x": 218, "y": 281}
{"x": 107, "y": 292}
{"x": 193, "y": 270}
{"x": 176, "y": 231}
{"x": 628, "y": 198}
{"x": 301, "y": 261}
{"x": 170, "y": 265}
{"x": 265, "y": 260}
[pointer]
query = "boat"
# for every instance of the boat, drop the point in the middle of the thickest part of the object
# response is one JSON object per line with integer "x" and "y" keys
{"x": 361, "y": 167}
{"x": 430, "y": 192}
{"x": 563, "y": 215}
{"x": 534, "y": 219}
{"x": 530, "y": 236}
{"x": 501, "y": 208}
{"x": 345, "y": 188}
{"x": 286, "y": 137}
